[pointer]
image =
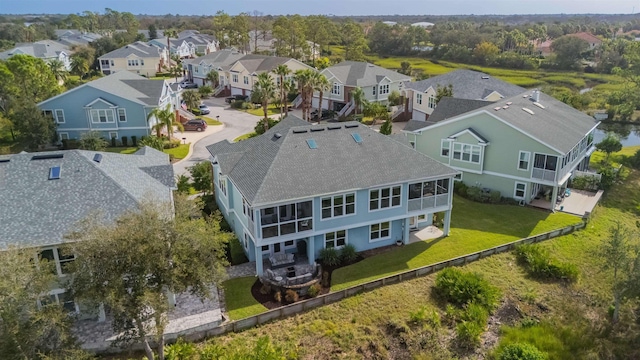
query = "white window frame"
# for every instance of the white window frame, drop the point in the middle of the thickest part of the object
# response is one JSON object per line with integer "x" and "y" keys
{"x": 528, "y": 161}
{"x": 56, "y": 259}
{"x": 432, "y": 102}
{"x": 374, "y": 90}
{"x": 336, "y": 89}
{"x": 333, "y": 207}
{"x": 234, "y": 78}
{"x": 384, "y": 89}
{"x": 419, "y": 98}
{"x": 443, "y": 147}
{"x": 222, "y": 184}
{"x": 49, "y": 113}
{"x": 141, "y": 62}
{"x": 98, "y": 113}
{"x": 57, "y": 116}
{"x": 515, "y": 190}
{"x": 112, "y": 135}
{"x": 246, "y": 209}
{"x": 380, "y": 231}
{"x": 245, "y": 80}
{"x": 63, "y": 136}
{"x": 461, "y": 149}
{"x": 124, "y": 113}
{"x": 458, "y": 176}
{"x": 390, "y": 198}
{"x": 55, "y": 293}
{"x": 336, "y": 235}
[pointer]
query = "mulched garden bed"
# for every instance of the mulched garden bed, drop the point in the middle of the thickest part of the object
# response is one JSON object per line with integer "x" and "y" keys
{"x": 268, "y": 301}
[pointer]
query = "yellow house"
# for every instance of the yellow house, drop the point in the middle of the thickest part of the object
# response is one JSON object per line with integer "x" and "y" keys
{"x": 139, "y": 58}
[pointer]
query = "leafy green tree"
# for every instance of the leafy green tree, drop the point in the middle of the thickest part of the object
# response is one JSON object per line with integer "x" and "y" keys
{"x": 289, "y": 35}
{"x": 58, "y": 70}
{"x": 201, "y": 176}
{"x": 28, "y": 331}
{"x": 569, "y": 50}
{"x": 609, "y": 144}
{"x": 354, "y": 41}
{"x": 79, "y": 65}
{"x": 183, "y": 184}
{"x": 405, "y": 68}
{"x": 443, "y": 91}
{"x": 93, "y": 140}
{"x": 282, "y": 71}
{"x": 394, "y": 98}
{"x": 318, "y": 30}
{"x": 377, "y": 111}
{"x": 130, "y": 264}
{"x": 205, "y": 91}
{"x": 153, "y": 32}
{"x": 264, "y": 90}
{"x": 213, "y": 78}
{"x": 485, "y": 53}
{"x": 620, "y": 253}
{"x": 30, "y": 79}
{"x": 35, "y": 128}
{"x": 154, "y": 142}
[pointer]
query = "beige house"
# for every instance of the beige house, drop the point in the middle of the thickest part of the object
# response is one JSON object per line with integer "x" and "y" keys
{"x": 139, "y": 58}
{"x": 244, "y": 72}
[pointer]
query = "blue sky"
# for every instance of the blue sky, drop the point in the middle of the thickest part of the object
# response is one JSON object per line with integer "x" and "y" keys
{"x": 327, "y": 7}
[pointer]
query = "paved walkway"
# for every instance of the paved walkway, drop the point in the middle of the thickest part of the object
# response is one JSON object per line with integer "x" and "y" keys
{"x": 242, "y": 270}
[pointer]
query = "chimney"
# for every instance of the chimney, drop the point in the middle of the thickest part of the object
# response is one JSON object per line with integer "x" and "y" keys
{"x": 535, "y": 95}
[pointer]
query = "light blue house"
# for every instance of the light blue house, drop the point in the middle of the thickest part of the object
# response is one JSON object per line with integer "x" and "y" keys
{"x": 116, "y": 105}
{"x": 326, "y": 186}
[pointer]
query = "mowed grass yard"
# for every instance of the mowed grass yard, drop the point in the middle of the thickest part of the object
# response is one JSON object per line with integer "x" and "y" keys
{"x": 474, "y": 227}
{"x": 179, "y": 152}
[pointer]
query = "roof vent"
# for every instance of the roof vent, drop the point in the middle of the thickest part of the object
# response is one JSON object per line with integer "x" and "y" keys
{"x": 277, "y": 135}
{"x": 509, "y": 103}
{"x": 47, "y": 156}
{"x": 299, "y": 131}
{"x": 485, "y": 78}
{"x": 535, "y": 95}
{"x": 97, "y": 158}
{"x": 4, "y": 160}
{"x": 54, "y": 173}
{"x": 505, "y": 107}
{"x": 496, "y": 108}
{"x": 528, "y": 111}
{"x": 312, "y": 144}
{"x": 356, "y": 137}
{"x": 349, "y": 126}
{"x": 539, "y": 105}
{"x": 317, "y": 129}
{"x": 525, "y": 96}
{"x": 334, "y": 127}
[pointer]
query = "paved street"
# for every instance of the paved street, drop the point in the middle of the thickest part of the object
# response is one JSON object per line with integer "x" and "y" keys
{"x": 236, "y": 123}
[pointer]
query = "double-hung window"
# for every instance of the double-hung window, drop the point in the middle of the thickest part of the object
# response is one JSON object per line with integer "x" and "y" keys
{"x": 246, "y": 80}
{"x": 466, "y": 152}
{"x": 419, "y": 98}
{"x": 122, "y": 115}
{"x": 384, "y": 198}
{"x": 381, "y": 231}
{"x": 335, "y": 89}
{"x": 520, "y": 190}
{"x": 432, "y": 102}
{"x": 234, "y": 78}
{"x": 523, "y": 160}
{"x": 222, "y": 184}
{"x": 335, "y": 239}
{"x": 59, "y": 116}
{"x": 384, "y": 89}
{"x": 102, "y": 116}
{"x": 338, "y": 205}
{"x": 445, "y": 145}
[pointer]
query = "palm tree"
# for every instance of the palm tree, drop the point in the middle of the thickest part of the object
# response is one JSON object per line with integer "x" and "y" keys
{"x": 263, "y": 91}
{"x": 320, "y": 84}
{"x": 59, "y": 70}
{"x": 282, "y": 70}
{"x": 79, "y": 65}
{"x": 213, "y": 77}
{"x": 166, "y": 118}
{"x": 191, "y": 98}
{"x": 358, "y": 97}
{"x": 305, "y": 86}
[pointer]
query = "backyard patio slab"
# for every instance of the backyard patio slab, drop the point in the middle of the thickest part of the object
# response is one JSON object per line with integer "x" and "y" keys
{"x": 428, "y": 233}
{"x": 579, "y": 202}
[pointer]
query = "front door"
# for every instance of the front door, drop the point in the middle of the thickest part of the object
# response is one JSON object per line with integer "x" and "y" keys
{"x": 413, "y": 222}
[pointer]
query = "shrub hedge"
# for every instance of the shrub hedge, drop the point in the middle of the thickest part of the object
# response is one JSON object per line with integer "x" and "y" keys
{"x": 538, "y": 263}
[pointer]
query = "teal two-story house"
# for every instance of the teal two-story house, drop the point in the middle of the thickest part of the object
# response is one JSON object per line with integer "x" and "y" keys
{"x": 526, "y": 146}
{"x": 299, "y": 188}
{"x": 116, "y": 106}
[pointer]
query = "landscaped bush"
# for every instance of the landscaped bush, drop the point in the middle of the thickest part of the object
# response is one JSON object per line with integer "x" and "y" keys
{"x": 468, "y": 333}
{"x": 314, "y": 290}
{"x": 477, "y": 194}
{"x": 462, "y": 288}
{"x": 348, "y": 254}
{"x": 170, "y": 144}
{"x": 125, "y": 141}
{"x": 539, "y": 263}
{"x": 460, "y": 188}
{"x": 205, "y": 90}
{"x": 585, "y": 183}
{"x": 521, "y": 351}
{"x": 259, "y": 128}
{"x": 237, "y": 104}
{"x": 181, "y": 350}
{"x": 236, "y": 252}
{"x": 425, "y": 315}
{"x": 634, "y": 160}
{"x": 329, "y": 257}
{"x": 291, "y": 296}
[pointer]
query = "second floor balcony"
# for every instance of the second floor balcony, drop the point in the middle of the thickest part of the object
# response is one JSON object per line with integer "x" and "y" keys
{"x": 286, "y": 219}
{"x": 428, "y": 194}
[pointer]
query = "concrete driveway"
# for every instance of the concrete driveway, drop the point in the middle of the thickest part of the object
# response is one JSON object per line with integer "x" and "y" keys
{"x": 235, "y": 122}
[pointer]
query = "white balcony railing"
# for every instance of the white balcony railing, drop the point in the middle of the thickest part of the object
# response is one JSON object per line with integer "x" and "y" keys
{"x": 428, "y": 202}
{"x": 542, "y": 174}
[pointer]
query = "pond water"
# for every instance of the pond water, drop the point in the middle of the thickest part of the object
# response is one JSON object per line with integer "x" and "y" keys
{"x": 629, "y": 134}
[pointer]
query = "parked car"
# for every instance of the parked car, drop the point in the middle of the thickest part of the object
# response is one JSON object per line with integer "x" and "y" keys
{"x": 186, "y": 84}
{"x": 233, "y": 98}
{"x": 195, "y": 125}
{"x": 326, "y": 114}
{"x": 204, "y": 109}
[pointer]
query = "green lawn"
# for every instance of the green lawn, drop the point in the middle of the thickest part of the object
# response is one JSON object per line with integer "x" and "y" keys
{"x": 271, "y": 110}
{"x": 244, "y": 137}
{"x": 240, "y": 303}
{"x": 178, "y": 153}
{"x": 211, "y": 121}
{"x": 474, "y": 227}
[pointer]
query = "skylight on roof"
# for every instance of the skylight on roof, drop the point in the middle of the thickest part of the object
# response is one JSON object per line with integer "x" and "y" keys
{"x": 357, "y": 137}
{"x": 312, "y": 144}
{"x": 347, "y": 126}
{"x": 54, "y": 173}
{"x": 47, "y": 156}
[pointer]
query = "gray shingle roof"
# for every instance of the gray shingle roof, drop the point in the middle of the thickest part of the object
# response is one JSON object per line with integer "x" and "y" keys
{"x": 43, "y": 49}
{"x": 138, "y": 48}
{"x": 268, "y": 168}
{"x": 450, "y": 107}
{"x": 222, "y": 58}
{"x": 468, "y": 84}
{"x": 35, "y": 211}
{"x": 358, "y": 73}
{"x": 261, "y": 63}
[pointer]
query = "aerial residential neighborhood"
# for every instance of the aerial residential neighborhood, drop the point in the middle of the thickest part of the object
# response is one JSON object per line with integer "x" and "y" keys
{"x": 238, "y": 183}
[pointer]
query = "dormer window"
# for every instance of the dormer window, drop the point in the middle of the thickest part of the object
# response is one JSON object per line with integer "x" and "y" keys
{"x": 335, "y": 90}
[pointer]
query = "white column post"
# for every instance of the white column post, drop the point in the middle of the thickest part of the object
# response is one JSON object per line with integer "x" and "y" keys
{"x": 405, "y": 231}
{"x": 447, "y": 222}
{"x": 259, "y": 267}
{"x": 311, "y": 249}
{"x": 554, "y": 196}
